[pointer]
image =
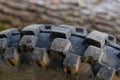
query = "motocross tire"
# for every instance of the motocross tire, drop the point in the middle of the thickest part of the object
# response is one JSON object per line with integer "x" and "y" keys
{"x": 58, "y": 53}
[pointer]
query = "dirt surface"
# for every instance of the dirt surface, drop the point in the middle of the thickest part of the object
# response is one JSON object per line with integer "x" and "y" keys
{"x": 53, "y": 72}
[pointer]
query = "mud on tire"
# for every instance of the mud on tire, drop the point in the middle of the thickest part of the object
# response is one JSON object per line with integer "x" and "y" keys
{"x": 64, "y": 47}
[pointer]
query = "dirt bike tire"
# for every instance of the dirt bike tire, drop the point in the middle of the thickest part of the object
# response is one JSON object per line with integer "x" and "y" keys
{"x": 66, "y": 52}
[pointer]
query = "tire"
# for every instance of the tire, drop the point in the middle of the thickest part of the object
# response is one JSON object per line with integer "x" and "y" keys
{"x": 66, "y": 52}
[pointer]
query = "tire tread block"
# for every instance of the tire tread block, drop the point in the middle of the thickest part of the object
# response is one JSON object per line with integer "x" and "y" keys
{"x": 40, "y": 56}
{"x": 105, "y": 73}
{"x": 93, "y": 53}
{"x": 110, "y": 58}
{"x": 58, "y": 32}
{"x": 96, "y": 38}
{"x": 60, "y": 46}
{"x": 71, "y": 63}
{"x": 72, "y": 28}
{"x": 3, "y": 43}
{"x": 11, "y": 56}
{"x": 81, "y": 31}
{"x": 28, "y": 42}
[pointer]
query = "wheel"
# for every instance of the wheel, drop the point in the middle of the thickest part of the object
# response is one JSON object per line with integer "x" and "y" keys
{"x": 63, "y": 51}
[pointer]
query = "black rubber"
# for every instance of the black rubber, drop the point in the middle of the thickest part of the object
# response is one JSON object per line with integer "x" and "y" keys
{"x": 64, "y": 46}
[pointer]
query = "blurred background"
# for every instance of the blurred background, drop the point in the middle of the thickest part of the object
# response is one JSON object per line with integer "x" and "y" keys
{"x": 103, "y": 15}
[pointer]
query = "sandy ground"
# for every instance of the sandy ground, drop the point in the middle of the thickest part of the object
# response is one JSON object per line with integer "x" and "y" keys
{"x": 53, "y": 72}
